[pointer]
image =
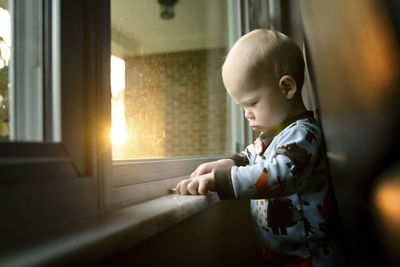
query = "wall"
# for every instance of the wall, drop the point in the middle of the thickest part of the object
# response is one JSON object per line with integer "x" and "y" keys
{"x": 220, "y": 236}
{"x": 354, "y": 51}
{"x": 175, "y": 104}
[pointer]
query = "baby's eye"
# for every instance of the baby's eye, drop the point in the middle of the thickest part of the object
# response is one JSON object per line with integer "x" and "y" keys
{"x": 251, "y": 104}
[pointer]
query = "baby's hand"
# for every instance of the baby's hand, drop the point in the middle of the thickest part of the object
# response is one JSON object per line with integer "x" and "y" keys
{"x": 211, "y": 167}
{"x": 196, "y": 185}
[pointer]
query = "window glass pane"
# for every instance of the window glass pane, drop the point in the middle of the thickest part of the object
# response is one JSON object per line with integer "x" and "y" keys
{"x": 168, "y": 98}
{"x": 5, "y": 45}
{"x": 29, "y": 71}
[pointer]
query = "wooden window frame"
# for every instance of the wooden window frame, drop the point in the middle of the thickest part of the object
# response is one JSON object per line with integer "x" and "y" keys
{"x": 47, "y": 184}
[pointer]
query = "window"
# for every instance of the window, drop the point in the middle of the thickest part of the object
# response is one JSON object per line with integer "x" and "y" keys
{"x": 170, "y": 111}
{"x": 48, "y": 154}
{"x": 29, "y": 94}
{"x": 5, "y": 53}
{"x": 172, "y": 99}
{"x": 58, "y": 157}
{"x": 69, "y": 156}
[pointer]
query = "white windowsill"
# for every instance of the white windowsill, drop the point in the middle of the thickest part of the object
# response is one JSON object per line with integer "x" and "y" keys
{"x": 102, "y": 235}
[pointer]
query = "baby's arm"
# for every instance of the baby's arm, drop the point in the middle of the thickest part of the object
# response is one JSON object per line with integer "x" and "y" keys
{"x": 212, "y": 166}
{"x": 287, "y": 171}
{"x": 200, "y": 183}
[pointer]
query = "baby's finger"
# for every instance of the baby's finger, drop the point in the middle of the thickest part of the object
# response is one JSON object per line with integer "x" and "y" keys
{"x": 192, "y": 187}
{"x": 183, "y": 187}
{"x": 203, "y": 187}
{"x": 178, "y": 188}
{"x": 194, "y": 174}
{"x": 202, "y": 169}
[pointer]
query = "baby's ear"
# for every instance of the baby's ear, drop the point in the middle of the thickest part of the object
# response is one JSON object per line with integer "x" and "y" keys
{"x": 288, "y": 86}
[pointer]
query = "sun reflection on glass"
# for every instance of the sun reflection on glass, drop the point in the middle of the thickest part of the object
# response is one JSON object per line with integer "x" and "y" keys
{"x": 118, "y": 131}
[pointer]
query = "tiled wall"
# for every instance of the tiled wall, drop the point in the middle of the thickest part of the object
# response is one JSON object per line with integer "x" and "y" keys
{"x": 175, "y": 105}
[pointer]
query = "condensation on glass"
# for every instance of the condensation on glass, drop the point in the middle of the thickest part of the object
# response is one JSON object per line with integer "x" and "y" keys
{"x": 5, "y": 47}
{"x": 168, "y": 99}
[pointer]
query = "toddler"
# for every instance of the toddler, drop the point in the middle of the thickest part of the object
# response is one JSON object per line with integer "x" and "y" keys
{"x": 284, "y": 172}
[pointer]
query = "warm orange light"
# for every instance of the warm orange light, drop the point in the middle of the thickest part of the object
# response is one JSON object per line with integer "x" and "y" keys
{"x": 387, "y": 215}
{"x": 387, "y": 201}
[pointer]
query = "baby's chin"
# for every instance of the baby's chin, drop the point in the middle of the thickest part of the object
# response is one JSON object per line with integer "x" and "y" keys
{"x": 269, "y": 129}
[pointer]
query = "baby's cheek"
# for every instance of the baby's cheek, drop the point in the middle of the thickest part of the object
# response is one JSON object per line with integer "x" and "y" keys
{"x": 268, "y": 120}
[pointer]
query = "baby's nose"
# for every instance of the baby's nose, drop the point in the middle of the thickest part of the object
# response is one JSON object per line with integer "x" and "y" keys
{"x": 248, "y": 115}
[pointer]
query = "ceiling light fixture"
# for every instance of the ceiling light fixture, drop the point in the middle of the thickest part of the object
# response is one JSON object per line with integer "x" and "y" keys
{"x": 167, "y": 8}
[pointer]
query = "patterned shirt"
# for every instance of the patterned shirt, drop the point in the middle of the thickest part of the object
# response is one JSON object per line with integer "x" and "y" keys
{"x": 285, "y": 175}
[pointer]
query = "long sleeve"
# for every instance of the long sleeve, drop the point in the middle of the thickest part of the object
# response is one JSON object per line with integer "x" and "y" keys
{"x": 245, "y": 157}
{"x": 285, "y": 170}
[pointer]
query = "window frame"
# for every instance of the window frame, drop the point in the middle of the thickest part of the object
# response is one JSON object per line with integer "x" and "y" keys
{"x": 49, "y": 184}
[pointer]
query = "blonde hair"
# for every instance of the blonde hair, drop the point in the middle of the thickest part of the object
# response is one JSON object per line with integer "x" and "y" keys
{"x": 263, "y": 50}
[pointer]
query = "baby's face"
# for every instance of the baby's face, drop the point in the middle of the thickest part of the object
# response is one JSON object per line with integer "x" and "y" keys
{"x": 265, "y": 106}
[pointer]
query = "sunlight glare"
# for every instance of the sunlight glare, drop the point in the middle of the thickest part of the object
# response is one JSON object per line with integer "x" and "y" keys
{"x": 118, "y": 131}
